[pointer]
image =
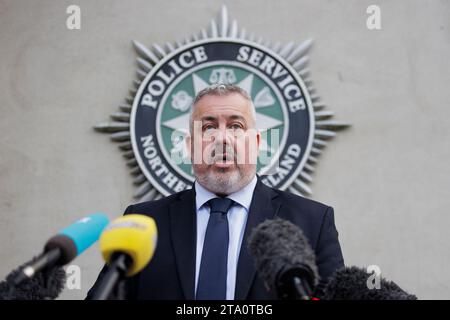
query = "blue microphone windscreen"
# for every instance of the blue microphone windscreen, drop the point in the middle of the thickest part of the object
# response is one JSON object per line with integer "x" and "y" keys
{"x": 86, "y": 231}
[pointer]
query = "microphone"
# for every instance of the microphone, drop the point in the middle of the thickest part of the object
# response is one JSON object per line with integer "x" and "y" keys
{"x": 65, "y": 246}
{"x": 47, "y": 285}
{"x": 350, "y": 283}
{"x": 284, "y": 259}
{"x": 127, "y": 246}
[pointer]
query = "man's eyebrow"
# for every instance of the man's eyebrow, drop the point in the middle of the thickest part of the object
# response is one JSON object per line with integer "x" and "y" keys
{"x": 208, "y": 118}
{"x": 237, "y": 117}
{"x": 232, "y": 117}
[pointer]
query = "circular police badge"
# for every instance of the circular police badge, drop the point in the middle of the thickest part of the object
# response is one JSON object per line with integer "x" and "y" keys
{"x": 151, "y": 127}
{"x": 161, "y": 110}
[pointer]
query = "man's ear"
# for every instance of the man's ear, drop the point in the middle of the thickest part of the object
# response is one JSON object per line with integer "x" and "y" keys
{"x": 188, "y": 141}
{"x": 258, "y": 138}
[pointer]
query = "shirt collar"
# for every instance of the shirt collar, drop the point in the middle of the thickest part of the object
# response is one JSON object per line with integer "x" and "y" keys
{"x": 243, "y": 196}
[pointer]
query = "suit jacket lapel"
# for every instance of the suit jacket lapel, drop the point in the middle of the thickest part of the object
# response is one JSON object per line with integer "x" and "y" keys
{"x": 261, "y": 208}
{"x": 183, "y": 234}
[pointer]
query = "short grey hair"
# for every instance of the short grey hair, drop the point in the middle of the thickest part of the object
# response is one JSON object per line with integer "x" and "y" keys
{"x": 222, "y": 89}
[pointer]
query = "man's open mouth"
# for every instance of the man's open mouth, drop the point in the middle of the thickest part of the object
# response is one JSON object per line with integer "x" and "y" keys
{"x": 224, "y": 158}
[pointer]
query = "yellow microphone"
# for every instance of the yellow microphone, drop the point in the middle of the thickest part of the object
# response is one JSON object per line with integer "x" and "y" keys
{"x": 127, "y": 245}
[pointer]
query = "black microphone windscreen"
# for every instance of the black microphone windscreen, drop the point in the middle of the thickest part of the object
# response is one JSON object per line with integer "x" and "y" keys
{"x": 350, "y": 283}
{"x": 67, "y": 247}
{"x": 278, "y": 245}
{"x": 45, "y": 285}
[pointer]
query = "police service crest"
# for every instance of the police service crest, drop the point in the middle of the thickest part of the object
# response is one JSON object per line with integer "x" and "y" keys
{"x": 151, "y": 127}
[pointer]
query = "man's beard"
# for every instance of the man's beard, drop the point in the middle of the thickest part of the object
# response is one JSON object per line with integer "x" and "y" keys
{"x": 224, "y": 182}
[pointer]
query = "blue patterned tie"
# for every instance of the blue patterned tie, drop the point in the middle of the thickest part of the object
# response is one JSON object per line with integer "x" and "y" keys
{"x": 212, "y": 279}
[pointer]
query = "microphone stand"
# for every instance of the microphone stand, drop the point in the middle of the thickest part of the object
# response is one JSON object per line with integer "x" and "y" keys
{"x": 295, "y": 283}
{"x": 118, "y": 267}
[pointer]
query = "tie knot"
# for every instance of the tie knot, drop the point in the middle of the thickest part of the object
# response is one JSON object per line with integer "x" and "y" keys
{"x": 221, "y": 205}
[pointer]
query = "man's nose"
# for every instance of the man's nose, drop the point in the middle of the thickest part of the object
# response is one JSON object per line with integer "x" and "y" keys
{"x": 224, "y": 135}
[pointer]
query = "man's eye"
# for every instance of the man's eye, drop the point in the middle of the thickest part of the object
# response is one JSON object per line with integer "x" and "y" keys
{"x": 236, "y": 126}
{"x": 208, "y": 127}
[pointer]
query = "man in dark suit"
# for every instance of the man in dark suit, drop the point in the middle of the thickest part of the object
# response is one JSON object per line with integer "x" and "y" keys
{"x": 202, "y": 233}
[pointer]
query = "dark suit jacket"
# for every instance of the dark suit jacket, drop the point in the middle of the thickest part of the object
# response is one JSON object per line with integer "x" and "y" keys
{"x": 171, "y": 272}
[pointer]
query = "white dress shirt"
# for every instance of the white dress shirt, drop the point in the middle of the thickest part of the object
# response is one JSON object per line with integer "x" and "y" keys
{"x": 237, "y": 219}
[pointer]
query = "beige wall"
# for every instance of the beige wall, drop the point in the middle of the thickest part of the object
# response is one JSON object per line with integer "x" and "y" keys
{"x": 387, "y": 177}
